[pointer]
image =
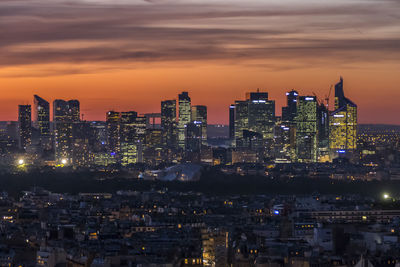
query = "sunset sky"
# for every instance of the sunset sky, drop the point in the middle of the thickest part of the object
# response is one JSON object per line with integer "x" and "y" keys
{"x": 131, "y": 54}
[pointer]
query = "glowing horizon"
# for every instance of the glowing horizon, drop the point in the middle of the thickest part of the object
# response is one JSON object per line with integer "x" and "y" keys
{"x": 130, "y": 55}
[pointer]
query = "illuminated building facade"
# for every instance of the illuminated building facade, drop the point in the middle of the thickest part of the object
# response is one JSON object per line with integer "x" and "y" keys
{"x": 184, "y": 117}
{"x": 343, "y": 123}
{"x": 323, "y": 133}
{"x": 241, "y": 120}
{"x": 113, "y": 126}
{"x": 131, "y": 136}
{"x": 306, "y": 129}
{"x": 199, "y": 114}
{"x": 41, "y": 120}
{"x": 256, "y": 114}
{"x": 289, "y": 112}
{"x": 25, "y": 126}
{"x": 261, "y": 114}
{"x": 168, "y": 123}
{"x": 65, "y": 114}
{"x": 194, "y": 136}
{"x": 232, "y": 122}
{"x": 153, "y": 151}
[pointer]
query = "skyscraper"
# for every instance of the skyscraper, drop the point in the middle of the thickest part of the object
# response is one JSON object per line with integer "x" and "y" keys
{"x": 232, "y": 122}
{"x": 306, "y": 129}
{"x": 41, "y": 121}
{"x": 343, "y": 123}
{"x": 184, "y": 117}
{"x": 168, "y": 123}
{"x": 25, "y": 126}
{"x": 132, "y": 129}
{"x": 290, "y": 111}
{"x": 41, "y": 115}
{"x": 199, "y": 114}
{"x": 261, "y": 114}
{"x": 65, "y": 114}
{"x": 113, "y": 128}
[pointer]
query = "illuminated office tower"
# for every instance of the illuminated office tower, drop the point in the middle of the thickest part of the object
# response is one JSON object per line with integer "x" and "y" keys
{"x": 284, "y": 142}
{"x": 25, "y": 126}
{"x": 261, "y": 114}
{"x": 306, "y": 129}
{"x": 323, "y": 133}
{"x": 232, "y": 122}
{"x": 168, "y": 123}
{"x": 241, "y": 119}
{"x": 66, "y": 111}
{"x": 41, "y": 121}
{"x": 83, "y": 136}
{"x": 132, "y": 135}
{"x": 113, "y": 128}
{"x": 74, "y": 110}
{"x": 41, "y": 115}
{"x": 199, "y": 114}
{"x": 65, "y": 114}
{"x": 290, "y": 111}
{"x": 343, "y": 123}
{"x": 194, "y": 136}
{"x": 184, "y": 117}
{"x": 153, "y": 151}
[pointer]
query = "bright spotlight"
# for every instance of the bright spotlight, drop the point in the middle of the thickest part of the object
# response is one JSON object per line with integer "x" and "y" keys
{"x": 21, "y": 162}
{"x": 64, "y": 161}
{"x": 386, "y": 196}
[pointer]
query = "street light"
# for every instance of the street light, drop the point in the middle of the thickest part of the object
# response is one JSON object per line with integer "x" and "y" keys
{"x": 386, "y": 196}
{"x": 64, "y": 161}
{"x": 21, "y": 162}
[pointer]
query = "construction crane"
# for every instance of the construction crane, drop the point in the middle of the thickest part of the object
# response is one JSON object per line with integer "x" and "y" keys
{"x": 328, "y": 97}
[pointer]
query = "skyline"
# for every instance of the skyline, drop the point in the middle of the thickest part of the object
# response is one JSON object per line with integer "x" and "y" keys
{"x": 131, "y": 55}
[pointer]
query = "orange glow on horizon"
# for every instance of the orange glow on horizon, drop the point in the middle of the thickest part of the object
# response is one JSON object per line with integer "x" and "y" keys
{"x": 215, "y": 85}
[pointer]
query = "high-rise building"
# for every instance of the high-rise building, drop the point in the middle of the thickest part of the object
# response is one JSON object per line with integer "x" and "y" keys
{"x": 153, "y": 151}
{"x": 199, "y": 114}
{"x": 41, "y": 121}
{"x": 132, "y": 129}
{"x": 168, "y": 123}
{"x": 306, "y": 129}
{"x": 256, "y": 117}
{"x": 66, "y": 111}
{"x": 323, "y": 133}
{"x": 232, "y": 122}
{"x": 343, "y": 123}
{"x": 113, "y": 128}
{"x": 25, "y": 126}
{"x": 65, "y": 115}
{"x": 290, "y": 111}
{"x": 241, "y": 119}
{"x": 194, "y": 136}
{"x": 185, "y": 113}
{"x": 261, "y": 114}
{"x": 41, "y": 115}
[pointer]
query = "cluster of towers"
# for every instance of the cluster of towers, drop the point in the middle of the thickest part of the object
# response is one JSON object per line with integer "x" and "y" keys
{"x": 307, "y": 131}
{"x": 124, "y": 138}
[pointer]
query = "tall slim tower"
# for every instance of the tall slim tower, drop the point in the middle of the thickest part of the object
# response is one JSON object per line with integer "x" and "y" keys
{"x": 65, "y": 114}
{"x": 343, "y": 123}
{"x": 41, "y": 115}
{"x": 199, "y": 114}
{"x": 290, "y": 111}
{"x": 232, "y": 122}
{"x": 25, "y": 126}
{"x": 168, "y": 123}
{"x": 41, "y": 121}
{"x": 307, "y": 129}
{"x": 184, "y": 117}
